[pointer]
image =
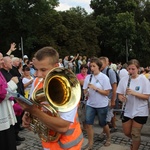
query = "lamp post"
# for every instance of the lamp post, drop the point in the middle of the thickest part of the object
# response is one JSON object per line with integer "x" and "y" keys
{"x": 127, "y": 51}
{"x": 22, "y": 48}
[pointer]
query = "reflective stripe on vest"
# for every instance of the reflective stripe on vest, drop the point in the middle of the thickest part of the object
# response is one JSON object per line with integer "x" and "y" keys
{"x": 77, "y": 119}
{"x": 69, "y": 132}
{"x": 72, "y": 143}
{"x": 46, "y": 148}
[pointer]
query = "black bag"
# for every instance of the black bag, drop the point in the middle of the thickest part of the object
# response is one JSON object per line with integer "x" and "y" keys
{"x": 117, "y": 76}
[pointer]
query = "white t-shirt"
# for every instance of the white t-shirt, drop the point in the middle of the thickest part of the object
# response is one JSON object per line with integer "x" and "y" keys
{"x": 122, "y": 73}
{"x": 26, "y": 80}
{"x": 70, "y": 115}
{"x": 79, "y": 63}
{"x": 135, "y": 106}
{"x": 60, "y": 64}
{"x": 96, "y": 99}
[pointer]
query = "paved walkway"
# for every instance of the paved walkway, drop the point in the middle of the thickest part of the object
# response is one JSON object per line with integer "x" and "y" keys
{"x": 118, "y": 140}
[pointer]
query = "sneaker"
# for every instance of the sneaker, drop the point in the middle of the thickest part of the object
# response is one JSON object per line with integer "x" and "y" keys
{"x": 18, "y": 143}
{"x": 108, "y": 142}
{"x": 20, "y": 138}
{"x": 21, "y": 128}
{"x": 102, "y": 137}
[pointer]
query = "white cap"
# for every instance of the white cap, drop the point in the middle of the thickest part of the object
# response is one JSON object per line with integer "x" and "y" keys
{"x": 25, "y": 56}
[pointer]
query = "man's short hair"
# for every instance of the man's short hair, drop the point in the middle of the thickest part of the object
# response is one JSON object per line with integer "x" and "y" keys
{"x": 47, "y": 52}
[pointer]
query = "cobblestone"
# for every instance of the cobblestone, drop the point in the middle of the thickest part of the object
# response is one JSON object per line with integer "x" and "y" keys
{"x": 33, "y": 142}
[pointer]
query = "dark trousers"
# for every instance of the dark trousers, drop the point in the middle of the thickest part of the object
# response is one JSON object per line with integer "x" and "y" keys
{"x": 8, "y": 139}
{"x": 17, "y": 125}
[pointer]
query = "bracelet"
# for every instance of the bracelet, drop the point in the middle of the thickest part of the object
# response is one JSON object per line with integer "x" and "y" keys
{"x": 96, "y": 90}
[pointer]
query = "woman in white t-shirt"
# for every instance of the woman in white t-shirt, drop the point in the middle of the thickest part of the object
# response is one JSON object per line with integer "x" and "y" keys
{"x": 97, "y": 87}
{"x": 27, "y": 80}
{"x": 135, "y": 94}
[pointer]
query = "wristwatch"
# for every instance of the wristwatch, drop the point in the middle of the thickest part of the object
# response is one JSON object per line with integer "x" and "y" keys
{"x": 96, "y": 90}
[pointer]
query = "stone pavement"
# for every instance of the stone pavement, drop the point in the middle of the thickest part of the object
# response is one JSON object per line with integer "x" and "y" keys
{"x": 118, "y": 140}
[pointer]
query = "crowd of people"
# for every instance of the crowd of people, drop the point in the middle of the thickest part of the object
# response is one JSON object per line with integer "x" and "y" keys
{"x": 104, "y": 87}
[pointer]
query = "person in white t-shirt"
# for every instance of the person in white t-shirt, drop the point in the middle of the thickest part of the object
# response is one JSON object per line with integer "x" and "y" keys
{"x": 66, "y": 124}
{"x": 123, "y": 71}
{"x": 61, "y": 62}
{"x": 27, "y": 80}
{"x": 97, "y": 87}
{"x": 135, "y": 94}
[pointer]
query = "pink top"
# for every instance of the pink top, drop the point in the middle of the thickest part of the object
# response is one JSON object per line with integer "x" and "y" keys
{"x": 3, "y": 86}
{"x": 81, "y": 76}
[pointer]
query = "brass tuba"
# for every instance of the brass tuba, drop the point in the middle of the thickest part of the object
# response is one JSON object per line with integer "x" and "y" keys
{"x": 61, "y": 92}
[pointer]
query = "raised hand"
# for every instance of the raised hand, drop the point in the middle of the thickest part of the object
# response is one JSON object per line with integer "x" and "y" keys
{"x": 13, "y": 46}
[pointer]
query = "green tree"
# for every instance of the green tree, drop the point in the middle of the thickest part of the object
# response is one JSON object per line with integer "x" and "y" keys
{"x": 21, "y": 19}
{"x": 122, "y": 21}
{"x": 81, "y": 35}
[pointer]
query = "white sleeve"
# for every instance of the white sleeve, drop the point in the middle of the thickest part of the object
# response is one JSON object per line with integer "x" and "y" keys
{"x": 85, "y": 84}
{"x": 24, "y": 80}
{"x": 121, "y": 88}
{"x": 31, "y": 90}
{"x": 70, "y": 115}
{"x": 12, "y": 85}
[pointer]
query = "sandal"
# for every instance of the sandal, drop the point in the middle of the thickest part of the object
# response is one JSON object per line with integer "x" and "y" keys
{"x": 107, "y": 143}
{"x": 102, "y": 137}
{"x": 113, "y": 130}
{"x": 87, "y": 147}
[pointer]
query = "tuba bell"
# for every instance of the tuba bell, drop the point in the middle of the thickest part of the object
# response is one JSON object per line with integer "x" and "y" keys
{"x": 61, "y": 92}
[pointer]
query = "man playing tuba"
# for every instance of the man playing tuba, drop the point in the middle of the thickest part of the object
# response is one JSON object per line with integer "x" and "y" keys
{"x": 66, "y": 123}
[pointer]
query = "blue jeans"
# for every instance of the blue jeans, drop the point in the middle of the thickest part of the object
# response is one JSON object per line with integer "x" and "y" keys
{"x": 91, "y": 112}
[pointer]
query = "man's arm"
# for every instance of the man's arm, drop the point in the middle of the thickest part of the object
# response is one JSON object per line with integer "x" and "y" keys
{"x": 113, "y": 99}
{"x": 12, "y": 48}
{"x": 55, "y": 123}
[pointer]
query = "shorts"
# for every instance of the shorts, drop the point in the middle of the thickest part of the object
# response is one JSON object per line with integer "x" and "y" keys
{"x": 138, "y": 119}
{"x": 91, "y": 112}
{"x": 110, "y": 114}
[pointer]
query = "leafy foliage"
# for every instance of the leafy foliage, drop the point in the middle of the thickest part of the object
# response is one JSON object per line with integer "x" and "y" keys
{"x": 122, "y": 21}
{"x": 103, "y": 32}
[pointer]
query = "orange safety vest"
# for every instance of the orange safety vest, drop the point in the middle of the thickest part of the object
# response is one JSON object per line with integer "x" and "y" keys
{"x": 71, "y": 140}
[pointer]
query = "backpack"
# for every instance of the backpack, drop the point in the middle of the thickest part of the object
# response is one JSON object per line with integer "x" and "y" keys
{"x": 117, "y": 76}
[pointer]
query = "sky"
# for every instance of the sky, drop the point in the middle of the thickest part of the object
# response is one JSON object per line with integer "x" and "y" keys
{"x": 66, "y": 4}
